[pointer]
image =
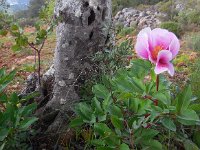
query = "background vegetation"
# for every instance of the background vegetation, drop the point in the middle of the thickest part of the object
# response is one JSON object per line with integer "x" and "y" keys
{"x": 120, "y": 106}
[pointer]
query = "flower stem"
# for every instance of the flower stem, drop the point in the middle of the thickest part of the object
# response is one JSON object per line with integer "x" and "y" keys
{"x": 157, "y": 83}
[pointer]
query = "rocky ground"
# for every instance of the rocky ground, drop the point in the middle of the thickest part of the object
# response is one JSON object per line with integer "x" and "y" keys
{"x": 130, "y": 17}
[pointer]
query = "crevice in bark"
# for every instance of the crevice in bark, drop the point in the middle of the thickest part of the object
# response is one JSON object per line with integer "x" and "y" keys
{"x": 91, "y": 35}
{"x": 91, "y": 18}
{"x": 98, "y": 8}
{"x": 86, "y": 4}
{"x": 104, "y": 14}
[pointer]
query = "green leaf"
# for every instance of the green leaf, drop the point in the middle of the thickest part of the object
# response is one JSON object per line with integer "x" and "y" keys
{"x": 21, "y": 41}
{"x": 140, "y": 68}
{"x": 183, "y": 99}
{"x": 14, "y": 27}
{"x": 196, "y": 137}
{"x": 97, "y": 142}
{"x": 102, "y": 129}
{"x": 16, "y": 48}
{"x": 25, "y": 124}
{"x": 14, "y": 99}
{"x": 116, "y": 111}
{"x": 134, "y": 104}
{"x": 107, "y": 102}
{"x": 77, "y": 122}
{"x": 188, "y": 117}
{"x": 3, "y": 32}
{"x": 162, "y": 97}
{"x": 189, "y": 145}
{"x": 85, "y": 112}
{"x": 105, "y": 148}
{"x": 117, "y": 122}
{"x": 6, "y": 79}
{"x": 169, "y": 124}
{"x": 100, "y": 91}
{"x": 2, "y": 72}
{"x": 97, "y": 105}
{"x": 153, "y": 144}
{"x": 113, "y": 140}
{"x": 195, "y": 107}
{"x": 3, "y": 133}
{"x": 124, "y": 147}
{"x": 146, "y": 134}
{"x": 2, "y": 146}
{"x": 27, "y": 110}
{"x": 3, "y": 98}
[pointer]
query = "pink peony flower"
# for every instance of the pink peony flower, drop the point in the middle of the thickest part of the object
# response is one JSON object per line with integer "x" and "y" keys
{"x": 159, "y": 46}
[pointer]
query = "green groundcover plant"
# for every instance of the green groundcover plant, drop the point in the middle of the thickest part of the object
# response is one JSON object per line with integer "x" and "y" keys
{"x": 15, "y": 119}
{"x": 136, "y": 108}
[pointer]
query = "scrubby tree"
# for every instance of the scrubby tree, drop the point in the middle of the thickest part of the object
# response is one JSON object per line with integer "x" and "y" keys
{"x": 82, "y": 30}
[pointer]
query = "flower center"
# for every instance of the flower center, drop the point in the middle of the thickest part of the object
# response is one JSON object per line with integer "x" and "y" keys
{"x": 155, "y": 52}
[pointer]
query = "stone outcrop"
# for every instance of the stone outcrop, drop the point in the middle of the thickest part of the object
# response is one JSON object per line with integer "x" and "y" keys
{"x": 130, "y": 17}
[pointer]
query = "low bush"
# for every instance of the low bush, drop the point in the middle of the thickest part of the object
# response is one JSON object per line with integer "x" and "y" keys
{"x": 195, "y": 78}
{"x": 15, "y": 119}
{"x": 173, "y": 27}
{"x": 188, "y": 17}
{"x": 193, "y": 42}
{"x": 167, "y": 7}
{"x": 126, "y": 31}
{"x": 27, "y": 22}
{"x": 127, "y": 112}
{"x": 120, "y": 4}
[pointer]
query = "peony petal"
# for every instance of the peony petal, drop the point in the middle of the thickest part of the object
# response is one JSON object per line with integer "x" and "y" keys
{"x": 174, "y": 45}
{"x": 142, "y": 46}
{"x": 161, "y": 37}
{"x": 163, "y": 63}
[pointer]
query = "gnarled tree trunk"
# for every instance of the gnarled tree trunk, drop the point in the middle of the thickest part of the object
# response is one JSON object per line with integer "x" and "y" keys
{"x": 83, "y": 30}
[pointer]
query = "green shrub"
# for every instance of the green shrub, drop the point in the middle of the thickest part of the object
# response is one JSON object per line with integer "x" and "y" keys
{"x": 126, "y": 31}
{"x": 120, "y": 4}
{"x": 189, "y": 17}
{"x": 15, "y": 119}
{"x": 193, "y": 42}
{"x": 127, "y": 112}
{"x": 168, "y": 8}
{"x": 173, "y": 27}
{"x": 27, "y": 22}
{"x": 195, "y": 78}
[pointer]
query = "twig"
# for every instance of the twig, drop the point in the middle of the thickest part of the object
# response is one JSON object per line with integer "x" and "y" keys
{"x": 157, "y": 83}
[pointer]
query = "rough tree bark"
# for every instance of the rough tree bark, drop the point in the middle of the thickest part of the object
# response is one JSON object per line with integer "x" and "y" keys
{"x": 83, "y": 30}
